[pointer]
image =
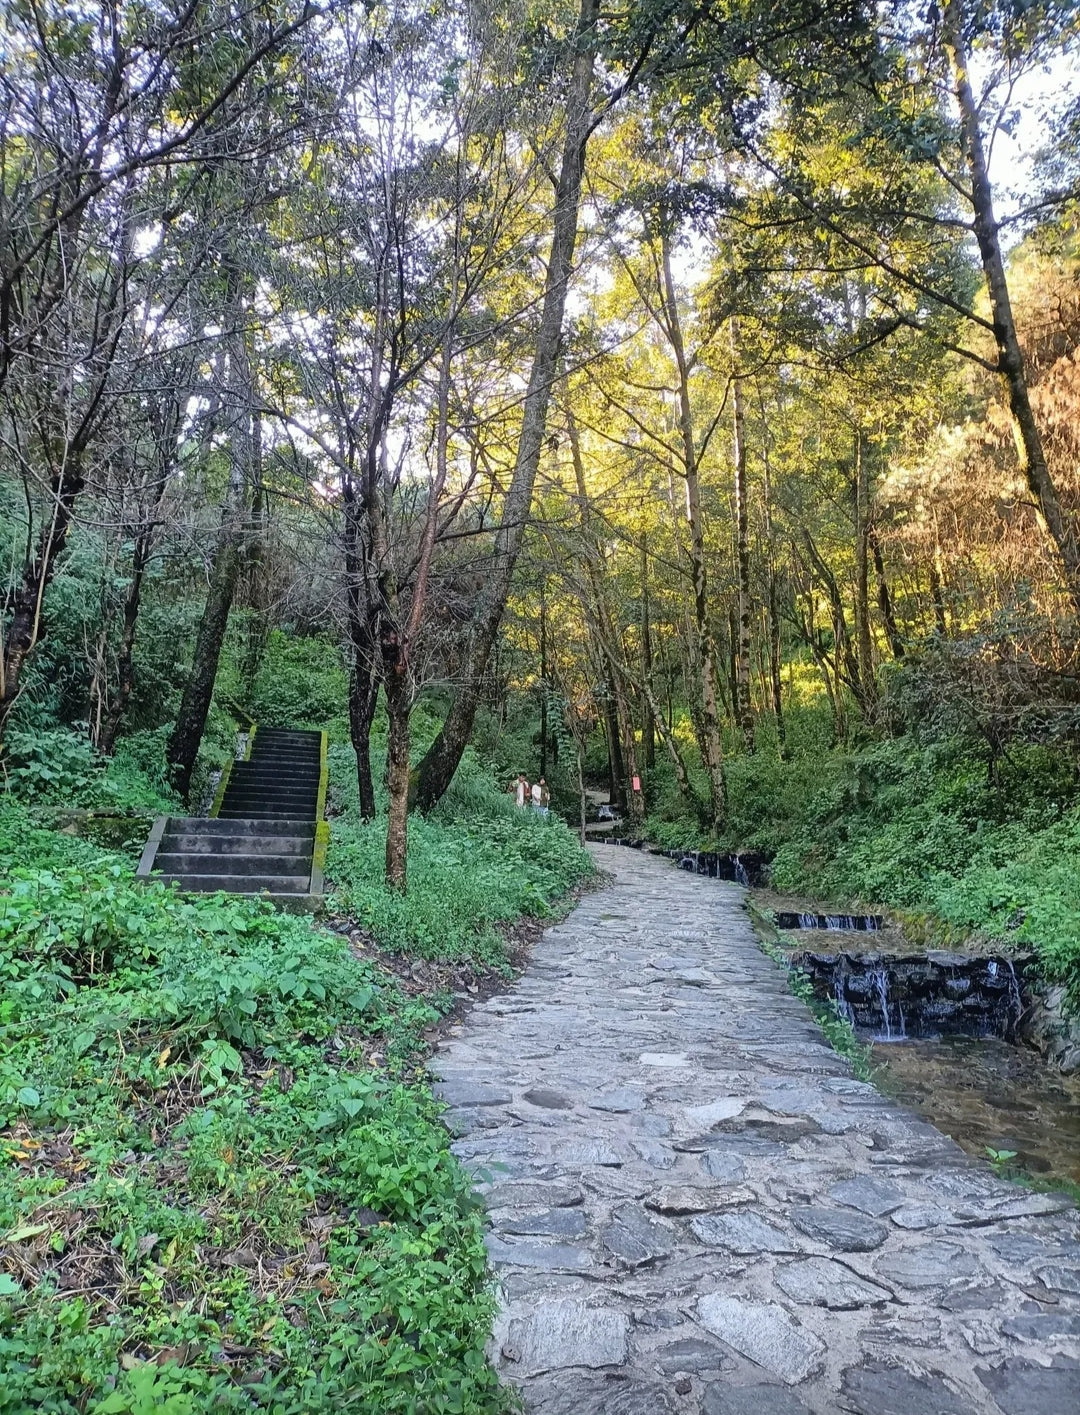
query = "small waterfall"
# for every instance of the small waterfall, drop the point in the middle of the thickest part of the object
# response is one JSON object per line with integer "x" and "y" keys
{"x": 1016, "y": 1002}
{"x": 843, "y": 1007}
{"x": 879, "y": 980}
{"x": 740, "y": 872}
{"x": 992, "y": 968}
{"x": 808, "y": 921}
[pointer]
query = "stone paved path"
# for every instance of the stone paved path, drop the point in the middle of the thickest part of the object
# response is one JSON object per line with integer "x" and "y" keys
{"x": 695, "y": 1208}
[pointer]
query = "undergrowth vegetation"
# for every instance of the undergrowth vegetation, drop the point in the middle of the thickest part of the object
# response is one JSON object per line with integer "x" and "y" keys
{"x": 476, "y": 862}
{"x": 923, "y": 826}
{"x": 224, "y": 1182}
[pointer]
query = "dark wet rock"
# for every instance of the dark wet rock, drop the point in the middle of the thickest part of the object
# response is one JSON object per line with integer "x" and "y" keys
{"x": 549, "y": 1256}
{"x": 841, "y": 1229}
{"x": 634, "y": 1238}
{"x": 578, "y": 1396}
{"x": 1037, "y": 1325}
{"x": 691, "y": 1354}
{"x": 548, "y": 1099}
{"x": 892, "y": 1390}
{"x": 1059, "y": 1278}
{"x": 876, "y": 1197}
{"x": 1023, "y": 1387}
{"x": 821, "y": 1282}
{"x": 584, "y": 1152}
{"x": 763, "y": 1333}
{"x": 1021, "y": 1247}
{"x": 696, "y": 1199}
{"x": 728, "y": 1168}
{"x": 654, "y": 1152}
{"x": 553, "y": 1223}
{"x": 559, "y": 1334}
{"x": 927, "y": 1265}
{"x": 465, "y": 1094}
{"x": 752, "y": 1400}
{"x": 744, "y": 1233}
{"x": 981, "y": 1298}
{"x": 520, "y": 1194}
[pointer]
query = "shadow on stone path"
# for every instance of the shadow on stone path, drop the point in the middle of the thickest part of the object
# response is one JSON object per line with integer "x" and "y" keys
{"x": 695, "y": 1208}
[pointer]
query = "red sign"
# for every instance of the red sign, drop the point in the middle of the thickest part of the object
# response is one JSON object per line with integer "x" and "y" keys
{"x": 637, "y": 783}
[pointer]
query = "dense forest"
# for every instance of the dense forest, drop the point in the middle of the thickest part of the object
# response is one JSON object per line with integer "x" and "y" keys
{"x": 675, "y": 400}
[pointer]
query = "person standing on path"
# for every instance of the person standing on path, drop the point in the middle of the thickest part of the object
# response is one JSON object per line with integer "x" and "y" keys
{"x": 522, "y": 790}
{"x": 541, "y": 798}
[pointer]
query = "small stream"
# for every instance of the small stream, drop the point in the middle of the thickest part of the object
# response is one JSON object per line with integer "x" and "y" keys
{"x": 989, "y": 1095}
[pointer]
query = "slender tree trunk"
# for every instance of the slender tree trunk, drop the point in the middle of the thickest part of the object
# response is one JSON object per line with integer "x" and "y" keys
{"x": 543, "y": 685}
{"x": 441, "y": 760}
{"x": 616, "y": 768}
{"x": 183, "y": 746}
{"x": 714, "y": 756}
{"x": 363, "y": 698}
{"x": 1058, "y": 521}
{"x": 773, "y": 605}
{"x": 363, "y": 669}
{"x": 648, "y": 723}
{"x": 863, "y": 638}
{"x": 744, "y": 711}
{"x": 937, "y": 591}
{"x": 398, "y": 692}
{"x": 125, "y": 675}
{"x": 885, "y": 604}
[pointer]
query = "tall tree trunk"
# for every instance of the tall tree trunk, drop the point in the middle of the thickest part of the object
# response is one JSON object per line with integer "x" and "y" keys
{"x": 937, "y": 589}
{"x": 186, "y": 738}
{"x": 398, "y": 692}
{"x": 125, "y": 675}
{"x": 543, "y": 685}
{"x": 648, "y": 723}
{"x": 773, "y": 606}
{"x": 744, "y": 711}
{"x": 706, "y": 640}
{"x": 1059, "y": 523}
{"x": 363, "y": 646}
{"x": 863, "y": 638}
{"x": 885, "y": 604}
{"x": 616, "y": 768}
{"x": 441, "y": 761}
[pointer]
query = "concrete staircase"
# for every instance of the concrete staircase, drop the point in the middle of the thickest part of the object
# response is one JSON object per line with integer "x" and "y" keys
{"x": 262, "y": 835}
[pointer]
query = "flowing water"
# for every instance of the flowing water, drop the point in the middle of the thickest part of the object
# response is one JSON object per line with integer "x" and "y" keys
{"x": 988, "y": 1094}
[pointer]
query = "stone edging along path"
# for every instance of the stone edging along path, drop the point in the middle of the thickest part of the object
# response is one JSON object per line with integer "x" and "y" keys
{"x": 695, "y": 1207}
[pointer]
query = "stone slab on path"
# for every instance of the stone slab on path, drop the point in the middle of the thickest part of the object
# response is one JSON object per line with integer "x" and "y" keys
{"x": 697, "y": 1210}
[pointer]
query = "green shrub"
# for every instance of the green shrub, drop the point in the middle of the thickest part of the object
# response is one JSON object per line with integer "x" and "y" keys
{"x": 192, "y": 1117}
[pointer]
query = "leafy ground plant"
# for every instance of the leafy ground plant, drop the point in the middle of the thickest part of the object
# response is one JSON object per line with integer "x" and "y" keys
{"x": 215, "y": 1194}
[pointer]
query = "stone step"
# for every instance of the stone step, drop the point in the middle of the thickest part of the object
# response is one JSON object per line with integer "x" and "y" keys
{"x": 268, "y": 781}
{"x": 191, "y": 863}
{"x": 303, "y": 749}
{"x": 198, "y": 842}
{"x": 256, "y": 802}
{"x": 269, "y": 813}
{"x": 252, "y": 884}
{"x": 269, "y": 763}
{"x": 281, "y": 788}
{"x": 240, "y": 826}
{"x": 271, "y": 766}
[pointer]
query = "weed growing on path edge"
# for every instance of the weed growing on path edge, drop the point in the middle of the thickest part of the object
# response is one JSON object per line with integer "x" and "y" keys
{"x": 210, "y": 1198}
{"x": 839, "y": 1033}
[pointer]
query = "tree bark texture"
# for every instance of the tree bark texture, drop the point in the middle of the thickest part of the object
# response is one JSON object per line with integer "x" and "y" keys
{"x": 441, "y": 761}
{"x": 705, "y": 638}
{"x": 1059, "y": 522}
{"x": 744, "y": 711}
